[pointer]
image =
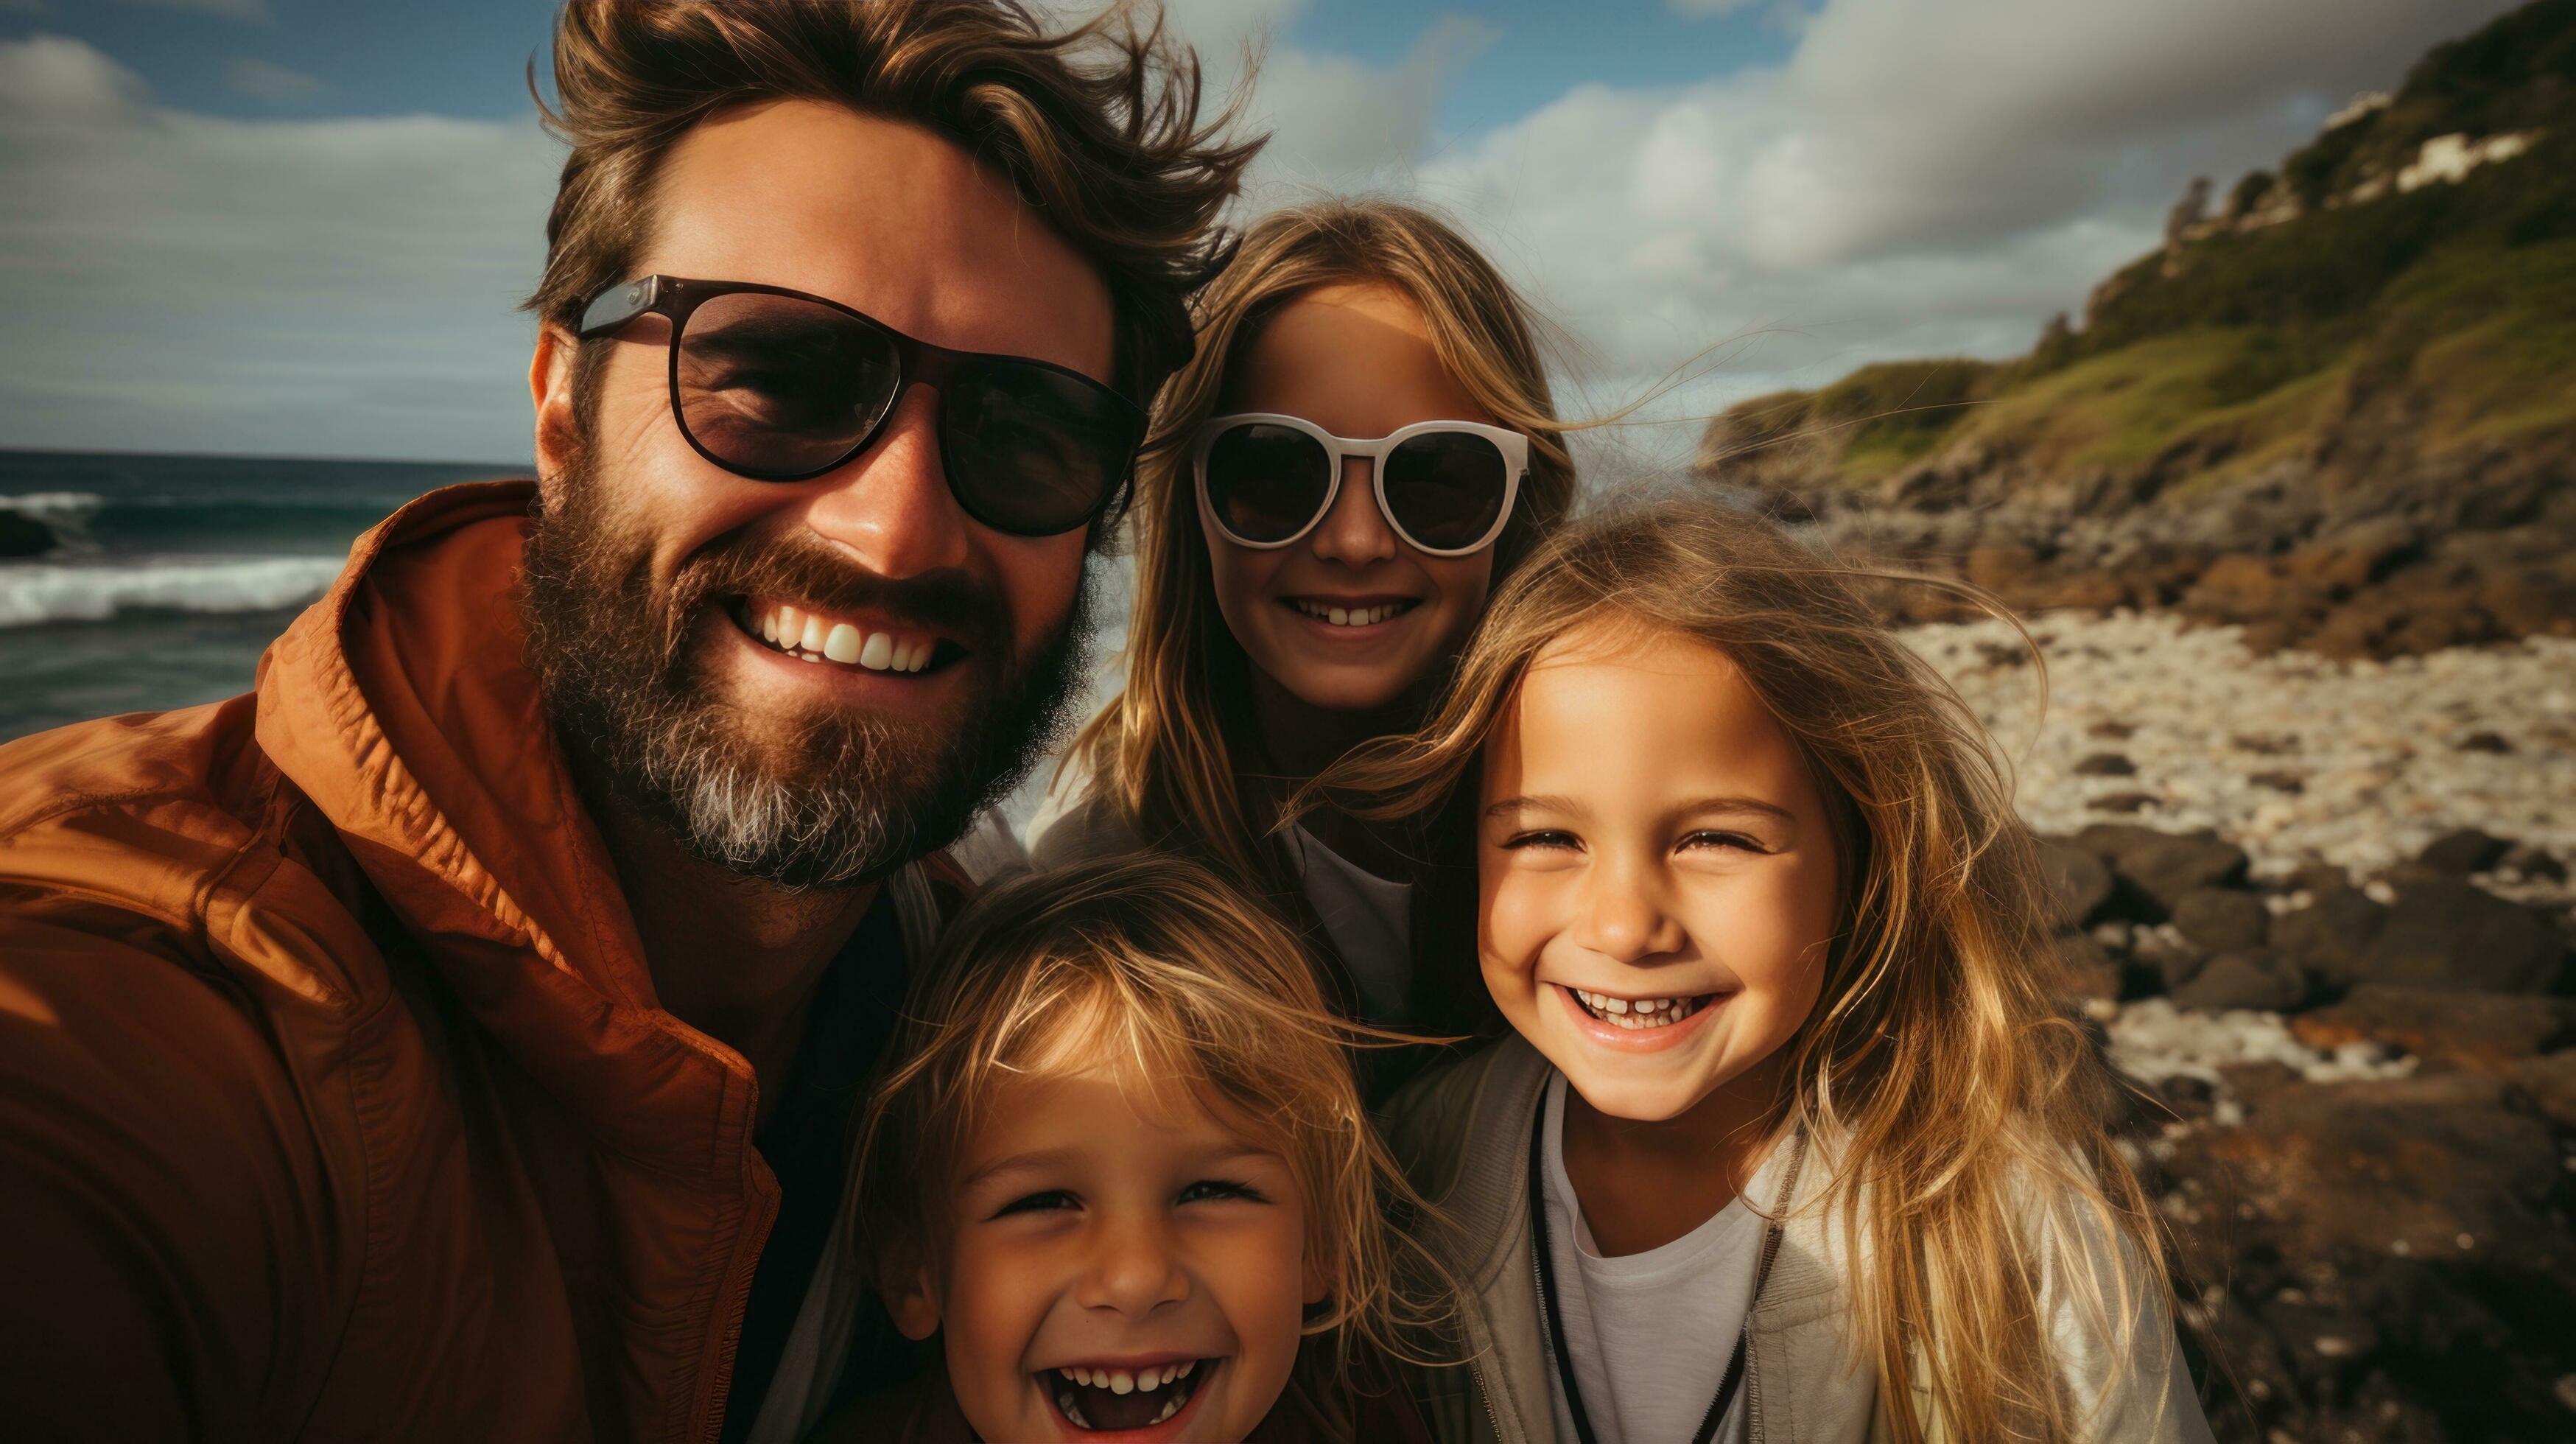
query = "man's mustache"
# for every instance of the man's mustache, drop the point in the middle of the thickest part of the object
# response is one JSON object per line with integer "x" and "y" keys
{"x": 816, "y": 577}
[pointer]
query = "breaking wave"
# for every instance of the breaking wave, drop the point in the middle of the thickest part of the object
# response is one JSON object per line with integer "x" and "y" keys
{"x": 34, "y": 594}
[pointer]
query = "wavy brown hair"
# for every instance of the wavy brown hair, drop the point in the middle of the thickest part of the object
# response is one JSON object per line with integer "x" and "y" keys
{"x": 1961, "y": 1103}
{"x": 1174, "y": 754}
{"x": 1097, "y": 127}
{"x": 1151, "y": 966}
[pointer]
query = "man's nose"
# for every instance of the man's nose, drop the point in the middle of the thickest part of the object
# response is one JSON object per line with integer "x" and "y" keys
{"x": 890, "y": 506}
{"x": 1354, "y": 532}
{"x": 1133, "y": 1269}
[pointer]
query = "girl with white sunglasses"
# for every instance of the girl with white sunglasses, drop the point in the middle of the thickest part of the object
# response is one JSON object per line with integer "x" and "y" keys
{"x": 1362, "y": 448}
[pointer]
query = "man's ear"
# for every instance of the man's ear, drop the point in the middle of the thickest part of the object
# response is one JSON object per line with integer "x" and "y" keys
{"x": 913, "y": 1303}
{"x": 550, "y": 388}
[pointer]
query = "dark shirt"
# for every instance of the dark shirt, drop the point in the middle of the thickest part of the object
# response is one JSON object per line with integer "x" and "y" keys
{"x": 806, "y": 1144}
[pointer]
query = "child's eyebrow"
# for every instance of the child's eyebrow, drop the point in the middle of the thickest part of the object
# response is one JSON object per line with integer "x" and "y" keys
{"x": 1694, "y": 807}
{"x": 1033, "y": 1161}
{"x": 1533, "y": 804}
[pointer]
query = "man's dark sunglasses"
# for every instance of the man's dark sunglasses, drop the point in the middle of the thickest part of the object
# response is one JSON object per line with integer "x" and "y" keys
{"x": 778, "y": 385}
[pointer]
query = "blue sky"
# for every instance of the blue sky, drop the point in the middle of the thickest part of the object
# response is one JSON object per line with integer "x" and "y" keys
{"x": 301, "y": 227}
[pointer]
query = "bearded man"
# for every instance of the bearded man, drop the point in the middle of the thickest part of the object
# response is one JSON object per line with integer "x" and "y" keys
{"x": 455, "y": 1037}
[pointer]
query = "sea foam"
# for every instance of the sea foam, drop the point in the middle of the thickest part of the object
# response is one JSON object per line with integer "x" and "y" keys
{"x": 31, "y": 595}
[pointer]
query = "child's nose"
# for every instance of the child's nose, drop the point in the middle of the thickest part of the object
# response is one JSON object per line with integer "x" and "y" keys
{"x": 1354, "y": 533}
{"x": 1133, "y": 1269}
{"x": 1624, "y": 916}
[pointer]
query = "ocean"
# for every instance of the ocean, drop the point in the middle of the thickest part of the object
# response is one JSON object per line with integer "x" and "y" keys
{"x": 162, "y": 578}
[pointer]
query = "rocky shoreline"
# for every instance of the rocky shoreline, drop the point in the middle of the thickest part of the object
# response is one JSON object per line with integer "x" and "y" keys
{"x": 2320, "y": 911}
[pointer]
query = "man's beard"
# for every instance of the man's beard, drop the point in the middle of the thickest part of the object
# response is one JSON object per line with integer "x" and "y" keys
{"x": 832, "y": 798}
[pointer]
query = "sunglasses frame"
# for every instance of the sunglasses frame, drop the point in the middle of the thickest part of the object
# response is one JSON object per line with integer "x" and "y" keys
{"x": 676, "y": 298}
{"x": 1339, "y": 449}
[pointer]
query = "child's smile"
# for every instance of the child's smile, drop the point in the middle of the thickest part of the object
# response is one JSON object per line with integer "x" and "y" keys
{"x": 1113, "y": 1398}
{"x": 1657, "y": 870}
{"x": 1123, "y": 1264}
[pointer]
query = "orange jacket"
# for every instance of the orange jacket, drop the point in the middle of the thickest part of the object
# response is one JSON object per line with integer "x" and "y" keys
{"x": 334, "y": 1098}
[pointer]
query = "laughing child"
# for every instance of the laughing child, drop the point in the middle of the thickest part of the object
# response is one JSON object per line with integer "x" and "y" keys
{"x": 1794, "y": 1140}
{"x": 1123, "y": 1174}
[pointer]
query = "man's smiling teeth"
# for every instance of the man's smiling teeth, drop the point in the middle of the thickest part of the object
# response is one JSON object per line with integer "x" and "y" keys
{"x": 818, "y": 638}
{"x": 1349, "y": 616}
{"x": 1636, "y": 1013}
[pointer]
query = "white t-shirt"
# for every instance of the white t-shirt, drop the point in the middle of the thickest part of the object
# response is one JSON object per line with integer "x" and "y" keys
{"x": 1648, "y": 1333}
{"x": 1370, "y": 921}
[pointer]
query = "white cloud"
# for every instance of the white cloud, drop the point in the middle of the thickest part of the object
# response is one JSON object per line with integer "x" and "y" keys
{"x": 180, "y": 281}
{"x": 270, "y": 81}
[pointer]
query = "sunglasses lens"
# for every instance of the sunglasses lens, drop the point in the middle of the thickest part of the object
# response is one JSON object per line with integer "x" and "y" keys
{"x": 1035, "y": 452}
{"x": 1266, "y": 482}
{"x": 777, "y": 387}
{"x": 1445, "y": 489}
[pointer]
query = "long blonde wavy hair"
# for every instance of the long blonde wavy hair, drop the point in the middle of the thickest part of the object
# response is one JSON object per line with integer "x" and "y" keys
{"x": 1962, "y": 1103}
{"x": 1170, "y": 752}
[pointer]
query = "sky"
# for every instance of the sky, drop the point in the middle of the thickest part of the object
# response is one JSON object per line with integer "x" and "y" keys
{"x": 303, "y": 227}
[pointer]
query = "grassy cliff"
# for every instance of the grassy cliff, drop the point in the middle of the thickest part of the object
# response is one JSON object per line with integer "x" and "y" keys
{"x": 2361, "y": 305}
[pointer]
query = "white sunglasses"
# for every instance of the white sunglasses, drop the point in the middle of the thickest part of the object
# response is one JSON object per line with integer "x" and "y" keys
{"x": 1445, "y": 487}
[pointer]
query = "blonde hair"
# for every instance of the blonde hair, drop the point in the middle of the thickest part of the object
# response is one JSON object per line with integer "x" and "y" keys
{"x": 1165, "y": 752}
{"x": 1939, "y": 1059}
{"x": 1156, "y": 967}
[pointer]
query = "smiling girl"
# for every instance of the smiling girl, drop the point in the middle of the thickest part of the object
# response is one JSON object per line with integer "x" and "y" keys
{"x": 1362, "y": 447}
{"x": 1793, "y": 1141}
{"x": 1122, "y": 1174}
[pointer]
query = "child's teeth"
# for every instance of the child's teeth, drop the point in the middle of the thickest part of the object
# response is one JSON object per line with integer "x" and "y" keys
{"x": 1170, "y": 1407}
{"x": 1185, "y": 1368}
{"x": 1121, "y": 1382}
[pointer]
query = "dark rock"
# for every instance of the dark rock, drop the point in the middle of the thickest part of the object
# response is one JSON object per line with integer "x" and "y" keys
{"x": 2318, "y": 878}
{"x": 2123, "y": 802}
{"x": 2090, "y": 972}
{"x": 2244, "y": 980}
{"x": 2080, "y": 880}
{"x": 2222, "y": 919}
{"x": 2532, "y": 862}
{"x": 2354, "y": 557}
{"x": 2165, "y": 865}
{"x": 2430, "y": 1167}
{"x": 2484, "y": 742}
{"x": 2491, "y": 1032}
{"x": 2289, "y": 782}
{"x": 2169, "y": 962}
{"x": 2447, "y": 933}
{"x": 2323, "y": 1342}
{"x": 2331, "y": 938}
{"x": 2106, "y": 764}
{"x": 2551, "y": 1082}
{"x": 2463, "y": 852}
{"x": 22, "y": 535}
{"x": 2112, "y": 731}
{"x": 2187, "y": 1098}
{"x": 2264, "y": 745}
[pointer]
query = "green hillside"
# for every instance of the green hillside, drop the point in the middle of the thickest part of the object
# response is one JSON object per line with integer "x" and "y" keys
{"x": 2347, "y": 291}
